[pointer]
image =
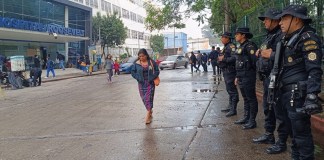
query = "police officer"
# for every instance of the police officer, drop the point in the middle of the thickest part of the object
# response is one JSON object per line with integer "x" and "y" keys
{"x": 299, "y": 78}
{"x": 213, "y": 59}
{"x": 226, "y": 61}
{"x": 246, "y": 76}
{"x": 271, "y": 23}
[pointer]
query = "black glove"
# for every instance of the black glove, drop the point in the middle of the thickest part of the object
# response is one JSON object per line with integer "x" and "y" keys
{"x": 311, "y": 105}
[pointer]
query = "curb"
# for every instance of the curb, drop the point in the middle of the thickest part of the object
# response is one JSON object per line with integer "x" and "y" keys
{"x": 316, "y": 122}
{"x": 72, "y": 76}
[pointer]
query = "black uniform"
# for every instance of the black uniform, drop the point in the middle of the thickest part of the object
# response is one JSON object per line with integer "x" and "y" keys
{"x": 299, "y": 81}
{"x": 229, "y": 73}
{"x": 246, "y": 74}
{"x": 213, "y": 60}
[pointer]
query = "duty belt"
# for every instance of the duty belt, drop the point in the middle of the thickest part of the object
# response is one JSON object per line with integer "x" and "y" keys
{"x": 288, "y": 88}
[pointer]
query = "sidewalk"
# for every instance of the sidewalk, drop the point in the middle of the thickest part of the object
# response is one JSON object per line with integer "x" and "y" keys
{"x": 61, "y": 75}
{"x": 66, "y": 74}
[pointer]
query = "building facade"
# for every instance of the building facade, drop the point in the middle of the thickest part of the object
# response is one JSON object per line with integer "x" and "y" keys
{"x": 175, "y": 43}
{"x": 44, "y": 27}
{"x": 132, "y": 13}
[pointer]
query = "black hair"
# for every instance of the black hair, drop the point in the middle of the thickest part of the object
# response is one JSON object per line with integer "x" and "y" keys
{"x": 218, "y": 48}
{"x": 213, "y": 47}
{"x": 143, "y": 51}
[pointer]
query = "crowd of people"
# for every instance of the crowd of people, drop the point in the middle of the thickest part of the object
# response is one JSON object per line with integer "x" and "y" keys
{"x": 289, "y": 65}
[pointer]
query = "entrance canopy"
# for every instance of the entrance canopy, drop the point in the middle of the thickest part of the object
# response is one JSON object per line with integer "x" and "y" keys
{"x": 23, "y": 35}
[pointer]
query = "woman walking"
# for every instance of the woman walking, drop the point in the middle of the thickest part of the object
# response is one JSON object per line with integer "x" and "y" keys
{"x": 109, "y": 67}
{"x": 145, "y": 70}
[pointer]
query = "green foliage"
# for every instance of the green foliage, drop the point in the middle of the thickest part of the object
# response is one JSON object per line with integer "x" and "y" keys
{"x": 112, "y": 30}
{"x": 123, "y": 56}
{"x": 157, "y": 43}
{"x": 158, "y": 19}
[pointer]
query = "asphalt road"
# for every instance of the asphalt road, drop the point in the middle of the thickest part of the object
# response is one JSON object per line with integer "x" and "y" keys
{"x": 87, "y": 118}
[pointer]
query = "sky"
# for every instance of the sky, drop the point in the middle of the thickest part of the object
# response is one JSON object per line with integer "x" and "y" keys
{"x": 192, "y": 29}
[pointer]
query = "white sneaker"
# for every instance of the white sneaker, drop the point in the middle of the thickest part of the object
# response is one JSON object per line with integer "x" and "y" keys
{"x": 45, "y": 77}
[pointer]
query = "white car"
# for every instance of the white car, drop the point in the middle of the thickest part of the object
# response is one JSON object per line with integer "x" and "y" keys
{"x": 174, "y": 62}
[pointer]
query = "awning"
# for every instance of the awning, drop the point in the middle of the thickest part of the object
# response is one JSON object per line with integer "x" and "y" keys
{"x": 23, "y": 35}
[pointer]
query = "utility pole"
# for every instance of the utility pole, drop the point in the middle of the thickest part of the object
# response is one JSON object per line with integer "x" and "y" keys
{"x": 174, "y": 50}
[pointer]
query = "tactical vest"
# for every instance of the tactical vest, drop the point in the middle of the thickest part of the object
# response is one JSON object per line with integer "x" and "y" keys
{"x": 243, "y": 60}
{"x": 294, "y": 67}
{"x": 227, "y": 66}
{"x": 264, "y": 65}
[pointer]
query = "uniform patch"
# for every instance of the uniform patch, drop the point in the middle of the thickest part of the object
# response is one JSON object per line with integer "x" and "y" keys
{"x": 239, "y": 51}
{"x": 309, "y": 42}
{"x": 263, "y": 47}
{"x": 290, "y": 59}
{"x": 233, "y": 49}
{"x": 311, "y": 47}
{"x": 312, "y": 56}
{"x": 252, "y": 51}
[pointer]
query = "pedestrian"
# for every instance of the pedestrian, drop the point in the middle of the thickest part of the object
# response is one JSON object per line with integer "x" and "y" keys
{"x": 246, "y": 76}
{"x": 299, "y": 72}
{"x": 50, "y": 66}
{"x": 213, "y": 59}
{"x": 204, "y": 61}
{"x": 37, "y": 71}
{"x": 116, "y": 67}
{"x": 219, "y": 70}
{"x": 87, "y": 63}
{"x": 61, "y": 59}
{"x": 226, "y": 62}
{"x": 109, "y": 67}
{"x": 145, "y": 70}
{"x": 193, "y": 61}
{"x": 271, "y": 112}
{"x": 199, "y": 55}
{"x": 99, "y": 61}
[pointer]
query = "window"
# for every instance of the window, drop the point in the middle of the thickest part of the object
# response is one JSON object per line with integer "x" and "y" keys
{"x": 140, "y": 35}
{"x": 116, "y": 9}
{"x": 140, "y": 19}
{"x": 87, "y": 2}
{"x": 125, "y": 13}
{"x": 129, "y": 33}
{"x": 106, "y": 6}
{"x": 134, "y": 34}
{"x": 133, "y": 16}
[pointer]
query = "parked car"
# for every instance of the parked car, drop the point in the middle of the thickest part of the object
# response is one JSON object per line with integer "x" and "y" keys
{"x": 160, "y": 59}
{"x": 126, "y": 65}
{"x": 174, "y": 61}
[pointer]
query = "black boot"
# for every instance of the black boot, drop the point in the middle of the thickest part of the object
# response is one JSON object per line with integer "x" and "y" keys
{"x": 250, "y": 125}
{"x": 227, "y": 108}
{"x": 232, "y": 112}
{"x": 244, "y": 119}
{"x": 277, "y": 148}
{"x": 267, "y": 138}
{"x": 253, "y": 113}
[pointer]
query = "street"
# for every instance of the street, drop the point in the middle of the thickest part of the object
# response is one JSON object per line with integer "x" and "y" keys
{"x": 87, "y": 118}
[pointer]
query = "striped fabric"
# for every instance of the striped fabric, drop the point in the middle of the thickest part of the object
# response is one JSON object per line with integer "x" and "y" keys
{"x": 146, "y": 91}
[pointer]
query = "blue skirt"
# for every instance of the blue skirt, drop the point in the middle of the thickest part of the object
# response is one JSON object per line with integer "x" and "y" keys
{"x": 146, "y": 91}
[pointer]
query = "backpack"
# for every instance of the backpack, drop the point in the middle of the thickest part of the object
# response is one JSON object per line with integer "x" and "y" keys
{"x": 51, "y": 64}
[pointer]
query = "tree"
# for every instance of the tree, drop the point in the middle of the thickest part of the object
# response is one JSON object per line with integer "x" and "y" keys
{"x": 158, "y": 19}
{"x": 112, "y": 31}
{"x": 157, "y": 43}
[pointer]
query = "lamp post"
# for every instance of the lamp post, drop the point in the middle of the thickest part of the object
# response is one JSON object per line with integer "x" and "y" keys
{"x": 167, "y": 47}
{"x": 174, "y": 50}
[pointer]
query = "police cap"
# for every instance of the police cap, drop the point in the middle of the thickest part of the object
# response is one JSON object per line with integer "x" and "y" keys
{"x": 270, "y": 13}
{"x": 246, "y": 31}
{"x": 298, "y": 11}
